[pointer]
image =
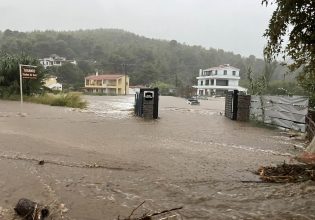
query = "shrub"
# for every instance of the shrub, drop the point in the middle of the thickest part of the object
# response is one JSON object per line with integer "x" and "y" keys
{"x": 72, "y": 100}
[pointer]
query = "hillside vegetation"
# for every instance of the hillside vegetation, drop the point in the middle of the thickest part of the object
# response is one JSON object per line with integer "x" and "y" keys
{"x": 145, "y": 60}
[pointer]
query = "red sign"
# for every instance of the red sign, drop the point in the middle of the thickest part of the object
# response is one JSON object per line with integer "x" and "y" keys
{"x": 28, "y": 72}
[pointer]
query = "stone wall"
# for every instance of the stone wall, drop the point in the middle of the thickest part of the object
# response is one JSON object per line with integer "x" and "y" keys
{"x": 243, "y": 108}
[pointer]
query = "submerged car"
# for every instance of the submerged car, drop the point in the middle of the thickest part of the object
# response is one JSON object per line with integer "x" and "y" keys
{"x": 193, "y": 101}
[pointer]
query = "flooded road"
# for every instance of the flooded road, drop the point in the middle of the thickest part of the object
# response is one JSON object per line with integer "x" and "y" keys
{"x": 102, "y": 162}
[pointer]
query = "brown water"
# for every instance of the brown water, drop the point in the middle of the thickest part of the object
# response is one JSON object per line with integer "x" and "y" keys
{"x": 102, "y": 162}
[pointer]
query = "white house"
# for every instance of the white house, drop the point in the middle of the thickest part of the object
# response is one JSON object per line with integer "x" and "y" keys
{"x": 55, "y": 60}
{"x": 134, "y": 89}
{"x": 218, "y": 80}
{"x": 50, "y": 81}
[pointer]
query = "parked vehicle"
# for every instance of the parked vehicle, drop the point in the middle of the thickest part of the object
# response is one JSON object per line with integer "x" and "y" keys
{"x": 193, "y": 101}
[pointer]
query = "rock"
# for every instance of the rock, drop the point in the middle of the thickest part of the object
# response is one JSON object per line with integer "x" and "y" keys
{"x": 30, "y": 210}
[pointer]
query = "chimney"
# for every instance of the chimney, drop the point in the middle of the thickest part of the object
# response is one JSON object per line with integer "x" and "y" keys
{"x": 96, "y": 73}
{"x": 200, "y": 72}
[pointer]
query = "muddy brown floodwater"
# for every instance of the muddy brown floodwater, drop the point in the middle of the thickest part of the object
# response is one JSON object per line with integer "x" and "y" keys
{"x": 102, "y": 162}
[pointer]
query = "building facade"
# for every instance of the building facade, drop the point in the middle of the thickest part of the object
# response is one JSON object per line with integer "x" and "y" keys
{"x": 107, "y": 84}
{"x": 218, "y": 80}
{"x": 50, "y": 82}
{"x": 55, "y": 60}
{"x": 134, "y": 89}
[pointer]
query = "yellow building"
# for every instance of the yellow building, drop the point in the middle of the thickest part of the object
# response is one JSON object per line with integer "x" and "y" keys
{"x": 107, "y": 84}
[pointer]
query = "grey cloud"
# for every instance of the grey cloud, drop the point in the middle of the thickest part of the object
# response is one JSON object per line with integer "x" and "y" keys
{"x": 227, "y": 24}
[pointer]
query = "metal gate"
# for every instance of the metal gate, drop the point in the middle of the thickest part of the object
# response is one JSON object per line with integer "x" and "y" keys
{"x": 231, "y": 102}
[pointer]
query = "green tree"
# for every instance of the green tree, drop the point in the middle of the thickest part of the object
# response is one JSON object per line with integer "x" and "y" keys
{"x": 70, "y": 74}
{"x": 147, "y": 74}
{"x": 164, "y": 88}
{"x": 86, "y": 67}
{"x": 295, "y": 19}
{"x": 257, "y": 86}
{"x": 10, "y": 77}
{"x": 107, "y": 49}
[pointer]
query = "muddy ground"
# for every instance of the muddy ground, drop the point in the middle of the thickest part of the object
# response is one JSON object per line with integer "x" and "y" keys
{"x": 102, "y": 162}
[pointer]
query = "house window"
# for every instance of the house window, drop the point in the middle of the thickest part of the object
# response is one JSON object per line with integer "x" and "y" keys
{"x": 212, "y": 82}
{"x": 207, "y": 82}
{"x": 221, "y": 82}
{"x": 111, "y": 83}
{"x": 225, "y": 72}
{"x": 201, "y": 83}
{"x": 210, "y": 73}
{"x": 234, "y": 73}
{"x": 216, "y": 72}
{"x": 87, "y": 82}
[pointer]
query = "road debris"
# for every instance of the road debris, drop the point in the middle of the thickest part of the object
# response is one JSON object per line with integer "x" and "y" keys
{"x": 287, "y": 173}
{"x": 148, "y": 216}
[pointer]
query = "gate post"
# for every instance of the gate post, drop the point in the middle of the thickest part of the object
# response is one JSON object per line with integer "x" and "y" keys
{"x": 243, "y": 108}
{"x": 235, "y": 105}
{"x": 156, "y": 103}
{"x": 147, "y": 103}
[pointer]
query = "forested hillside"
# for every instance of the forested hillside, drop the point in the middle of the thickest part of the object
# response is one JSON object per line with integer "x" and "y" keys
{"x": 146, "y": 60}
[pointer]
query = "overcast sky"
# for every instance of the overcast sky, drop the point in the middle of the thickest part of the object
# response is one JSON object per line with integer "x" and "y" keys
{"x": 232, "y": 25}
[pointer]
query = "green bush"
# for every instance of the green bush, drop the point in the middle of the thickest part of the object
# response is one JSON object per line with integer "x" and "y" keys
{"x": 284, "y": 88}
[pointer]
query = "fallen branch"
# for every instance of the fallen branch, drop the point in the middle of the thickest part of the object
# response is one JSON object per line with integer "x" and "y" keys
{"x": 60, "y": 163}
{"x": 136, "y": 209}
{"x": 166, "y": 211}
{"x": 148, "y": 216}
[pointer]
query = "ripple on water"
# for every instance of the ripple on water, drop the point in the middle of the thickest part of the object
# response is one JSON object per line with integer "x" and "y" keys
{"x": 115, "y": 108}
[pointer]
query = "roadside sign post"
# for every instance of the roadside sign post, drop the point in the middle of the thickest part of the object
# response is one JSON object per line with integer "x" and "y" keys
{"x": 26, "y": 72}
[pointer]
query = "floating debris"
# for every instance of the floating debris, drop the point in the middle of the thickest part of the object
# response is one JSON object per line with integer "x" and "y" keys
{"x": 287, "y": 173}
{"x": 149, "y": 216}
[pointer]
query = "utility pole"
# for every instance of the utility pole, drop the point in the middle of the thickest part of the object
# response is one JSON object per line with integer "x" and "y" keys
{"x": 124, "y": 70}
{"x": 125, "y": 73}
{"x": 176, "y": 80}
